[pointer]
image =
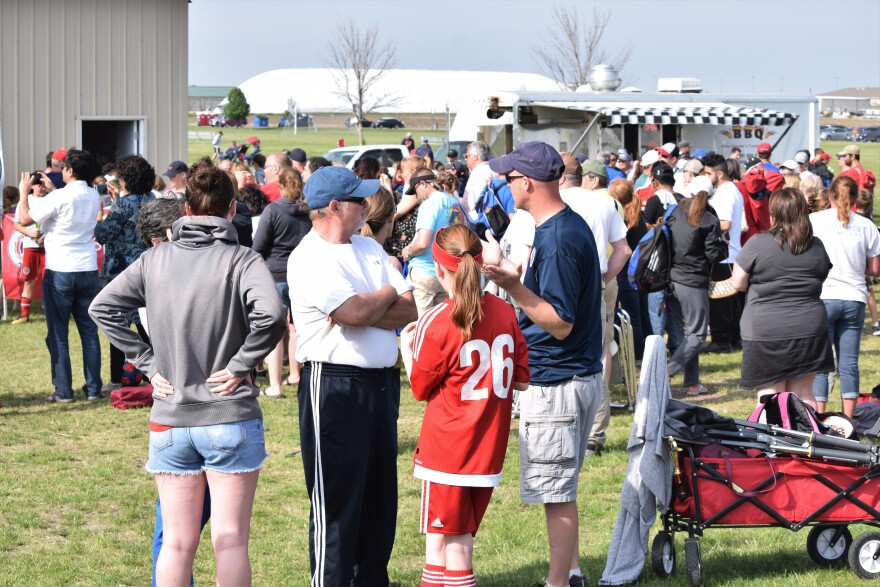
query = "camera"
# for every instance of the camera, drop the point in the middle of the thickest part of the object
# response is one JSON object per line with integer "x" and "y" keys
{"x": 35, "y": 177}
{"x": 101, "y": 189}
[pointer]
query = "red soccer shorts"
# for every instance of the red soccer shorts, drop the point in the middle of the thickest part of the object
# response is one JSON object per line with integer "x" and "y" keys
{"x": 33, "y": 261}
{"x": 452, "y": 510}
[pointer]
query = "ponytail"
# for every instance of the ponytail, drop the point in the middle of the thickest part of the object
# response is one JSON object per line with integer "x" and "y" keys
{"x": 458, "y": 250}
{"x": 843, "y": 194}
{"x": 696, "y": 206}
{"x": 467, "y": 296}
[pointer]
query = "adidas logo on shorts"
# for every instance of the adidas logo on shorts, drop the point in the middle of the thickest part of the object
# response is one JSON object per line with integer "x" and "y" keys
{"x": 437, "y": 523}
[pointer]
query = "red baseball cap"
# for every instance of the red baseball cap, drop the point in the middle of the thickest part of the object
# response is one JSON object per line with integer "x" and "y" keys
{"x": 59, "y": 154}
{"x": 764, "y": 148}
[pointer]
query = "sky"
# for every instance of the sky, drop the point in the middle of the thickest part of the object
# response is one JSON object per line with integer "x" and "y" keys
{"x": 800, "y": 47}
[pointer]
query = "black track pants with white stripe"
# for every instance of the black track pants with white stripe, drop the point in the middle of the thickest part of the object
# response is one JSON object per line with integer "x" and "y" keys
{"x": 348, "y": 434}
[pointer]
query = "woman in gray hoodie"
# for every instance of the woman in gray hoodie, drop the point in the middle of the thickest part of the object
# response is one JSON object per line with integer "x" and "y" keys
{"x": 214, "y": 314}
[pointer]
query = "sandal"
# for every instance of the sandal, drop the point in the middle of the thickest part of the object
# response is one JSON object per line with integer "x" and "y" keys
{"x": 278, "y": 395}
{"x": 287, "y": 381}
{"x": 701, "y": 390}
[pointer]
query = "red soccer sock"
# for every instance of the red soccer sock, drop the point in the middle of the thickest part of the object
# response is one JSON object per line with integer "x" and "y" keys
{"x": 459, "y": 579}
{"x": 432, "y": 576}
{"x": 25, "y": 307}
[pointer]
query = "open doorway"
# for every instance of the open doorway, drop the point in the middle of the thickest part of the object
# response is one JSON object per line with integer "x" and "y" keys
{"x": 109, "y": 139}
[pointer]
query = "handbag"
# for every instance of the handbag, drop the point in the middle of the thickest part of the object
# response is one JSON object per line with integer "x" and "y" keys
{"x": 721, "y": 289}
{"x": 497, "y": 217}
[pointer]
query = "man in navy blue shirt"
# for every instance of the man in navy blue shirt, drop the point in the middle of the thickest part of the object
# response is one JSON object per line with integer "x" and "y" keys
{"x": 560, "y": 301}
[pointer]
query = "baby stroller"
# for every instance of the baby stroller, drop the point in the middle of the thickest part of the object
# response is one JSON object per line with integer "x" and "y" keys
{"x": 737, "y": 473}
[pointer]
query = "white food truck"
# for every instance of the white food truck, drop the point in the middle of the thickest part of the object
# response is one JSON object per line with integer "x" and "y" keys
{"x": 586, "y": 122}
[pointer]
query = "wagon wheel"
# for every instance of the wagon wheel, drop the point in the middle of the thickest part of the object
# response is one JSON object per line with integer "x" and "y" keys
{"x": 663, "y": 554}
{"x": 692, "y": 560}
{"x": 864, "y": 555}
{"x": 828, "y": 545}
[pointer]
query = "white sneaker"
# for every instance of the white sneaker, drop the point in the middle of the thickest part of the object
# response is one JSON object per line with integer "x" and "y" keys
{"x": 108, "y": 387}
{"x": 876, "y": 328}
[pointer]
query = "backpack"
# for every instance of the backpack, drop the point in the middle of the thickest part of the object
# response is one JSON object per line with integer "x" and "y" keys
{"x": 651, "y": 261}
{"x": 788, "y": 411}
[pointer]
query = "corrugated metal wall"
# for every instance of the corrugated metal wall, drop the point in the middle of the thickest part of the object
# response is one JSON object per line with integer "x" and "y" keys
{"x": 65, "y": 59}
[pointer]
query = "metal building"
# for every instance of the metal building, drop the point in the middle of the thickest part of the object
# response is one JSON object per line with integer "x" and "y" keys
{"x": 108, "y": 76}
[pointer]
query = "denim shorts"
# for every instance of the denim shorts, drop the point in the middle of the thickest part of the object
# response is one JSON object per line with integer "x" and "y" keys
{"x": 554, "y": 427}
{"x": 236, "y": 447}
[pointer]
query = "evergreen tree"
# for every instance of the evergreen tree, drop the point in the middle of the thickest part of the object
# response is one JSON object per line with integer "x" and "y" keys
{"x": 236, "y": 105}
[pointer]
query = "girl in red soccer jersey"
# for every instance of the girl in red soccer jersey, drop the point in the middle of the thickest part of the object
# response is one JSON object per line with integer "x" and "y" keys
{"x": 464, "y": 357}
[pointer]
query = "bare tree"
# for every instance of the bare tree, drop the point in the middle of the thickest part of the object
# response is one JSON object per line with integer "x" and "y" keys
{"x": 573, "y": 46}
{"x": 358, "y": 60}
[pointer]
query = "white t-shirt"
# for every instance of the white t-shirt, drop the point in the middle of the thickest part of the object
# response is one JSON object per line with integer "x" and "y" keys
{"x": 480, "y": 177}
{"x": 26, "y": 241}
{"x": 67, "y": 217}
{"x": 322, "y": 276}
{"x": 516, "y": 247}
{"x": 598, "y": 210}
{"x": 849, "y": 248}
{"x": 728, "y": 204}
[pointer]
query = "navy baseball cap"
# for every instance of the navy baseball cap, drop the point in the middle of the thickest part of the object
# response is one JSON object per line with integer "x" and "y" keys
{"x": 535, "y": 160}
{"x": 335, "y": 183}
{"x": 175, "y": 168}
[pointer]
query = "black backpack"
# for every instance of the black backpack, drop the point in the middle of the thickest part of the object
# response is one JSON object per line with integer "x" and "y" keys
{"x": 652, "y": 261}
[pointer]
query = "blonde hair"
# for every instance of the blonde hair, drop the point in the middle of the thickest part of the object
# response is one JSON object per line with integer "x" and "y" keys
{"x": 410, "y": 164}
{"x": 792, "y": 181}
{"x": 467, "y": 295}
{"x": 842, "y": 194}
{"x": 380, "y": 211}
{"x": 291, "y": 184}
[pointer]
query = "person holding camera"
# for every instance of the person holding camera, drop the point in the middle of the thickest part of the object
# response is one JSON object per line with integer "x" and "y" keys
{"x": 33, "y": 258}
{"x": 67, "y": 218}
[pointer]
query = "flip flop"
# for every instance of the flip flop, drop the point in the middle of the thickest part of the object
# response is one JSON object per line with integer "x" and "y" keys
{"x": 287, "y": 381}
{"x": 702, "y": 390}
{"x": 272, "y": 395}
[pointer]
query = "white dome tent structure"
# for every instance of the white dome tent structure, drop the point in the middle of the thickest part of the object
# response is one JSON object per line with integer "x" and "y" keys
{"x": 418, "y": 90}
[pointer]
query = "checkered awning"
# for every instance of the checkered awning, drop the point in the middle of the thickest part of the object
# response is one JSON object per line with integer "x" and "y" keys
{"x": 695, "y": 114}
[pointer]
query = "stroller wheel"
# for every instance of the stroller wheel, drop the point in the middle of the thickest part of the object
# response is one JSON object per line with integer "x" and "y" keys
{"x": 692, "y": 560}
{"x": 864, "y": 555}
{"x": 828, "y": 545}
{"x": 663, "y": 554}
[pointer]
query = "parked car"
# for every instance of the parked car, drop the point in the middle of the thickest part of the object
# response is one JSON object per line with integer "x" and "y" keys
{"x": 352, "y": 121}
{"x": 387, "y": 155}
{"x": 834, "y": 132}
{"x": 222, "y": 120}
{"x": 389, "y": 123}
{"x": 868, "y": 134}
{"x": 301, "y": 120}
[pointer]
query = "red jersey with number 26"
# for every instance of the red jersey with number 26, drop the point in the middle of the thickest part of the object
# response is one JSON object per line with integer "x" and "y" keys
{"x": 468, "y": 386}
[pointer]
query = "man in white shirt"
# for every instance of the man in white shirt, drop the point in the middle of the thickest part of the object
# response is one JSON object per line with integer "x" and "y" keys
{"x": 347, "y": 300}
{"x": 477, "y": 159}
{"x": 584, "y": 189}
{"x": 67, "y": 218}
{"x": 724, "y": 313}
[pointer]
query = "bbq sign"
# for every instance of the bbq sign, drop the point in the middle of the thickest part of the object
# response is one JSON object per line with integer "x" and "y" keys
{"x": 747, "y": 132}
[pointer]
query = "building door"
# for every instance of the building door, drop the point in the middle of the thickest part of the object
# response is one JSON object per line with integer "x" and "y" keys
{"x": 109, "y": 139}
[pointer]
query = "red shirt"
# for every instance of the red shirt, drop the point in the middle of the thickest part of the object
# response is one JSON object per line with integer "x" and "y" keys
{"x": 272, "y": 190}
{"x": 864, "y": 179}
{"x": 644, "y": 193}
{"x": 468, "y": 388}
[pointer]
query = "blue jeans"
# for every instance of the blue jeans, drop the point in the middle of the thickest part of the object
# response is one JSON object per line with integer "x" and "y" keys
{"x": 657, "y": 313}
{"x": 845, "y": 321}
{"x": 66, "y": 294}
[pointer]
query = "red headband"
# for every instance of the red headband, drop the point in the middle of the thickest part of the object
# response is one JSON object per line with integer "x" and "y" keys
{"x": 447, "y": 261}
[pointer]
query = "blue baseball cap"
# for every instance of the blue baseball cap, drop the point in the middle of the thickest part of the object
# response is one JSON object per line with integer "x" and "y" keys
{"x": 535, "y": 160}
{"x": 699, "y": 154}
{"x": 335, "y": 183}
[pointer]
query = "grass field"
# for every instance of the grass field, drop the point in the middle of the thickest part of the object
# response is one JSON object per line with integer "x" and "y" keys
{"x": 76, "y": 507}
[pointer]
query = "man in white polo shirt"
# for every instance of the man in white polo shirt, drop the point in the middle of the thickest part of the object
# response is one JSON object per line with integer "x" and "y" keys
{"x": 67, "y": 217}
{"x": 347, "y": 299}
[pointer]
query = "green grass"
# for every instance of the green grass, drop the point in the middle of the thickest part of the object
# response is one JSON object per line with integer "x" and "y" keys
{"x": 76, "y": 507}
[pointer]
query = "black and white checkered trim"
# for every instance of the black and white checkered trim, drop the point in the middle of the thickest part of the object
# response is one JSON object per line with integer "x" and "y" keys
{"x": 728, "y": 115}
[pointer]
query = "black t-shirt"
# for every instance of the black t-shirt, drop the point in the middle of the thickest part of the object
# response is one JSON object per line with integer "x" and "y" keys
{"x": 783, "y": 296}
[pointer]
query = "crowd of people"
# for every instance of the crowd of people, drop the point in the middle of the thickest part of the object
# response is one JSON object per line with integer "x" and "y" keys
{"x": 483, "y": 280}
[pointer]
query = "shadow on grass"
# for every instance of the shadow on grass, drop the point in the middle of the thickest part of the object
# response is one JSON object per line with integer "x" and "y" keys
{"x": 80, "y": 403}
